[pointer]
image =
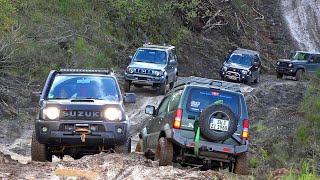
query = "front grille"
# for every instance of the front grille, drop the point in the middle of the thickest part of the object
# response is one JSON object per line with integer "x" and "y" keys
{"x": 283, "y": 64}
{"x": 143, "y": 71}
{"x": 81, "y": 115}
{"x": 234, "y": 70}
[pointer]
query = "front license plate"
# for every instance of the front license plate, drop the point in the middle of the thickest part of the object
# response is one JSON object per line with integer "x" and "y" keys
{"x": 219, "y": 124}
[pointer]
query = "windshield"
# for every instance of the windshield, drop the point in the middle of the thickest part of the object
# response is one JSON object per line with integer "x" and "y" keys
{"x": 243, "y": 59}
{"x": 83, "y": 87}
{"x": 151, "y": 56}
{"x": 199, "y": 99}
{"x": 301, "y": 56}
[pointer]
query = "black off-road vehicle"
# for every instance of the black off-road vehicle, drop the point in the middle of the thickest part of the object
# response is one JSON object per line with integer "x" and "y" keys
{"x": 199, "y": 122}
{"x": 81, "y": 112}
{"x": 152, "y": 65}
{"x": 242, "y": 65}
{"x": 300, "y": 63}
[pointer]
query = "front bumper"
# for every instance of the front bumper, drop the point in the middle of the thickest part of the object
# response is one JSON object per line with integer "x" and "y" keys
{"x": 235, "y": 76}
{"x": 63, "y": 133}
{"x": 144, "y": 79}
{"x": 286, "y": 71}
{"x": 206, "y": 146}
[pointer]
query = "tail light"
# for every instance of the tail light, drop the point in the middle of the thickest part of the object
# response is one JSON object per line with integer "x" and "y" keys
{"x": 177, "y": 119}
{"x": 245, "y": 131}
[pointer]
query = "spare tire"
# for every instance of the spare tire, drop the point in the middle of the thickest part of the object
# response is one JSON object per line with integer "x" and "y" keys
{"x": 217, "y": 122}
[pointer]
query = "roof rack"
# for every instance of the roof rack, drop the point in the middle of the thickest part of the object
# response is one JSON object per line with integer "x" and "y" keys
{"x": 161, "y": 46}
{"x": 211, "y": 82}
{"x": 97, "y": 71}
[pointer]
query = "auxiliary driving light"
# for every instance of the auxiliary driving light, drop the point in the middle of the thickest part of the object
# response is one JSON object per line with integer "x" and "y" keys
{"x": 44, "y": 129}
{"x": 119, "y": 130}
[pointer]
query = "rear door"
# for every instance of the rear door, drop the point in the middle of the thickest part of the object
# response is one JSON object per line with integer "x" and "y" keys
{"x": 199, "y": 99}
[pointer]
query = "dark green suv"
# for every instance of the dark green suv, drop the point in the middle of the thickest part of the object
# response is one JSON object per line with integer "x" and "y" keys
{"x": 199, "y": 122}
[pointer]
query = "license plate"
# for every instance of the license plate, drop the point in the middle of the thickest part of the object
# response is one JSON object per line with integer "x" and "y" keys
{"x": 219, "y": 124}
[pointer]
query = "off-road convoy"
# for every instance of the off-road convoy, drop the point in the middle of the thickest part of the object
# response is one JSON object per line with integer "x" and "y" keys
{"x": 300, "y": 62}
{"x": 199, "y": 122}
{"x": 81, "y": 112}
{"x": 152, "y": 65}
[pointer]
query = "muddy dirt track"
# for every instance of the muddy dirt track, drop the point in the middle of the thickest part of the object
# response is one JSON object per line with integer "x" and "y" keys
{"x": 272, "y": 102}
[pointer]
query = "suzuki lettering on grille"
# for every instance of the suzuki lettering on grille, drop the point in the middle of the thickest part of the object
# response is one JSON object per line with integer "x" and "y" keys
{"x": 93, "y": 114}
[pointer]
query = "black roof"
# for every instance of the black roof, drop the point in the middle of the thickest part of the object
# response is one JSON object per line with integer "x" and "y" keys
{"x": 192, "y": 80}
{"x": 246, "y": 51}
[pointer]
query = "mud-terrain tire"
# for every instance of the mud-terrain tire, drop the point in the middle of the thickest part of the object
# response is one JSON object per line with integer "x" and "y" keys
{"x": 241, "y": 165}
{"x": 139, "y": 146}
{"x": 163, "y": 88}
{"x": 249, "y": 81}
{"x": 164, "y": 152}
{"x": 124, "y": 148}
{"x": 39, "y": 152}
{"x": 299, "y": 75}
{"x": 221, "y": 112}
{"x": 279, "y": 75}
{"x": 127, "y": 85}
{"x": 256, "y": 81}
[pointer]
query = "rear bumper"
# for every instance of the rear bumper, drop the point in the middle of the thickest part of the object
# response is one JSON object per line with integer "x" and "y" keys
{"x": 206, "y": 146}
{"x": 144, "y": 79}
{"x": 57, "y": 135}
{"x": 286, "y": 71}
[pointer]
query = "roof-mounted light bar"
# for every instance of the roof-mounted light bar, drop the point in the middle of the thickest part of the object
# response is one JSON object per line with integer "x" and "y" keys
{"x": 100, "y": 71}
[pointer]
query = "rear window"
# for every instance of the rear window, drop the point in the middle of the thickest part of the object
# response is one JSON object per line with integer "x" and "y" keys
{"x": 199, "y": 99}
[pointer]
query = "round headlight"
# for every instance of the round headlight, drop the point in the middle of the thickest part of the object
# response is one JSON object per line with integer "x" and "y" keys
{"x": 113, "y": 114}
{"x": 225, "y": 68}
{"x": 157, "y": 73}
{"x": 290, "y": 65}
{"x": 244, "y": 71}
{"x": 51, "y": 113}
{"x": 130, "y": 70}
{"x": 278, "y": 63}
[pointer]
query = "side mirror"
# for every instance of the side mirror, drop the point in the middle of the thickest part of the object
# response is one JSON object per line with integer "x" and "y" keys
{"x": 130, "y": 98}
{"x": 150, "y": 110}
{"x": 256, "y": 64}
{"x": 35, "y": 96}
{"x": 172, "y": 62}
{"x": 129, "y": 58}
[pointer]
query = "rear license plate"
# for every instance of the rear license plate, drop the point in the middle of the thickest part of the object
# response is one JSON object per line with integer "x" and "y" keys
{"x": 219, "y": 124}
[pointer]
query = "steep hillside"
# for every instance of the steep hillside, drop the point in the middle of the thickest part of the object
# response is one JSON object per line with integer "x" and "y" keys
{"x": 37, "y": 36}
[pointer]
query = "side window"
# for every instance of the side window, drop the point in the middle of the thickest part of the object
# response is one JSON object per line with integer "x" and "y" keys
{"x": 316, "y": 59}
{"x": 163, "y": 107}
{"x": 170, "y": 55}
{"x": 174, "y": 102}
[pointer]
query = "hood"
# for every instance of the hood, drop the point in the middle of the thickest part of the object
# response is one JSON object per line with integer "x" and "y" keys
{"x": 82, "y": 104}
{"x": 236, "y": 66}
{"x": 147, "y": 65}
{"x": 292, "y": 61}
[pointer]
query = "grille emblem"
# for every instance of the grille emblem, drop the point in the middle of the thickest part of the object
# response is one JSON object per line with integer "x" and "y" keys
{"x": 94, "y": 114}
